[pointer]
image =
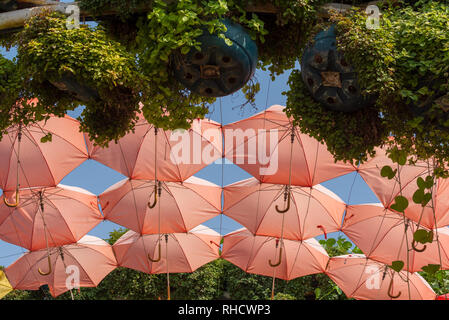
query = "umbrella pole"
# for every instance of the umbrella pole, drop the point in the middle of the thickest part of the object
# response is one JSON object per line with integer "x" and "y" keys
{"x": 166, "y": 262}
{"x": 19, "y": 140}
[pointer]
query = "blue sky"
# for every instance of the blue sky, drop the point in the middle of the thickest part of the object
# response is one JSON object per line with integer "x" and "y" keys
{"x": 96, "y": 177}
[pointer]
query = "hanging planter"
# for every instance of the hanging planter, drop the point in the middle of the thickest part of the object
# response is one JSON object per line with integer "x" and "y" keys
{"x": 67, "y": 68}
{"x": 329, "y": 77}
{"x": 403, "y": 64}
{"x": 222, "y": 66}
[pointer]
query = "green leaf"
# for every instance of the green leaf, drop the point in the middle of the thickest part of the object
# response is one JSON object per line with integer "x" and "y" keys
{"x": 421, "y": 183}
{"x": 431, "y": 268}
{"x": 423, "y": 236}
{"x": 418, "y": 196}
{"x": 387, "y": 172}
{"x": 397, "y": 265}
{"x": 401, "y": 203}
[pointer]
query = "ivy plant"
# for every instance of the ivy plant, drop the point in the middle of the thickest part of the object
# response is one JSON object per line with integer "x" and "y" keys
{"x": 404, "y": 65}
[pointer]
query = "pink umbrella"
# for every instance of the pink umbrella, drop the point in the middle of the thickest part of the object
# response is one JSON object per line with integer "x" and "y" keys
{"x": 27, "y": 162}
{"x": 49, "y": 217}
{"x": 269, "y": 146}
{"x": 176, "y": 156}
{"x": 382, "y": 235}
{"x": 364, "y": 279}
{"x": 269, "y": 256}
{"x": 263, "y": 209}
{"x": 91, "y": 258}
{"x": 168, "y": 253}
{"x": 180, "y": 206}
{"x": 386, "y": 190}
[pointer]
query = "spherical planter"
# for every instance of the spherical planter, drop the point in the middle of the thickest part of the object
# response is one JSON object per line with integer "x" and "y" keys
{"x": 328, "y": 76}
{"x": 218, "y": 69}
{"x": 81, "y": 92}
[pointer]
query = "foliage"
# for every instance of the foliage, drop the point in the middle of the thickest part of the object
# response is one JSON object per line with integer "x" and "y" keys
{"x": 349, "y": 136}
{"x": 403, "y": 64}
{"x": 48, "y": 51}
{"x": 9, "y": 89}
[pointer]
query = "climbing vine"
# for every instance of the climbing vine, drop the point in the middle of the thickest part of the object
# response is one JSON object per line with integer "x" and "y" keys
{"x": 404, "y": 65}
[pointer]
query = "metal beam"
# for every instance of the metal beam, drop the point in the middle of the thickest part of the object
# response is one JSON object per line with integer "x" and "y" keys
{"x": 16, "y": 19}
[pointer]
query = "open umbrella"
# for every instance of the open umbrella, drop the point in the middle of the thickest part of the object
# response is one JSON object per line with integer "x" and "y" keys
{"x": 274, "y": 257}
{"x": 49, "y": 217}
{"x": 150, "y": 153}
{"x": 5, "y": 286}
{"x": 436, "y": 212}
{"x": 385, "y": 236}
{"x": 364, "y": 279}
{"x": 167, "y": 253}
{"x": 181, "y": 206}
{"x": 26, "y": 162}
{"x": 272, "y": 149}
{"x": 271, "y": 210}
{"x": 89, "y": 260}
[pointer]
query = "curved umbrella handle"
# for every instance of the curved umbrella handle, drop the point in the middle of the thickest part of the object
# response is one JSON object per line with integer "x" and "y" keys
{"x": 274, "y": 265}
{"x": 49, "y": 268}
{"x": 324, "y": 230}
{"x": 12, "y": 205}
{"x": 151, "y": 206}
{"x": 288, "y": 205}
{"x": 416, "y": 249}
{"x": 390, "y": 291}
{"x": 159, "y": 258}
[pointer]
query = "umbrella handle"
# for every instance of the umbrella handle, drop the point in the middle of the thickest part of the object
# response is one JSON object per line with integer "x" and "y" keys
{"x": 159, "y": 258}
{"x": 274, "y": 265}
{"x": 416, "y": 249}
{"x": 324, "y": 230}
{"x": 151, "y": 206}
{"x": 390, "y": 291}
{"x": 49, "y": 268}
{"x": 12, "y": 205}
{"x": 287, "y": 208}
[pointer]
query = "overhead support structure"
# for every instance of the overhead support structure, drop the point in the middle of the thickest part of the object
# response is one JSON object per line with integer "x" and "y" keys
{"x": 15, "y": 19}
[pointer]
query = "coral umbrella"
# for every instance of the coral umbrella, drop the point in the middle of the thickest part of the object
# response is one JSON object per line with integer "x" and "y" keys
{"x": 168, "y": 253}
{"x": 385, "y": 236}
{"x": 27, "y": 162}
{"x": 5, "y": 286}
{"x": 91, "y": 258}
{"x": 149, "y": 153}
{"x": 364, "y": 279}
{"x": 443, "y": 297}
{"x": 267, "y": 209}
{"x": 269, "y": 256}
{"x": 272, "y": 149}
{"x": 49, "y": 217}
{"x": 181, "y": 206}
{"x": 434, "y": 215}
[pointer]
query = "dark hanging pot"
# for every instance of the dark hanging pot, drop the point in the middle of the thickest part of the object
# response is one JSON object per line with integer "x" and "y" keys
{"x": 81, "y": 92}
{"x": 218, "y": 69}
{"x": 8, "y": 5}
{"x": 329, "y": 77}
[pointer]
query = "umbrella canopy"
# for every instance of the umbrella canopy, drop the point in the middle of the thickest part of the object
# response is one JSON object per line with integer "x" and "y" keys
{"x": 61, "y": 214}
{"x": 177, "y": 154}
{"x": 253, "y": 254}
{"x": 41, "y": 164}
{"x": 443, "y": 297}
{"x": 173, "y": 253}
{"x": 312, "y": 211}
{"x": 5, "y": 286}
{"x": 383, "y": 236}
{"x": 262, "y": 145}
{"x": 364, "y": 279}
{"x": 179, "y": 208}
{"x": 386, "y": 189}
{"x": 92, "y": 257}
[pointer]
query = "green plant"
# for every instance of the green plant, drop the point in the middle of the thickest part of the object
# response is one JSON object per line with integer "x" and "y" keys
{"x": 403, "y": 64}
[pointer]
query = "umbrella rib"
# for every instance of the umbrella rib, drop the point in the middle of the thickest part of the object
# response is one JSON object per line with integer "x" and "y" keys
{"x": 304, "y": 155}
{"x": 170, "y": 147}
{"x": 150, "y": 127}
{"x": 183, "y": 252}
{"x": 45, "y": 159}
{"x": 81, "y": 266}
{"x": 59, "y": 136}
